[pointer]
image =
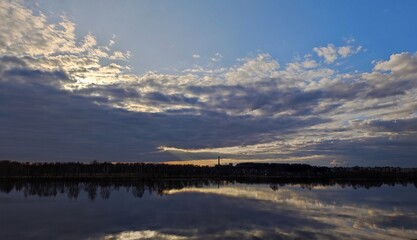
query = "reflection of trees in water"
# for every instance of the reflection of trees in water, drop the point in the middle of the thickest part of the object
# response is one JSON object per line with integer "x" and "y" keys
{"x": 91, "y": 189}
{"x": 104, "y": 188}
{"x": 105, "y": 192}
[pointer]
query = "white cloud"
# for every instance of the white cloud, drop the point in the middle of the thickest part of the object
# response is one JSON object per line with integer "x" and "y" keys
{"x": 346, "y": 51}
{"x": 331, "y": 53}
{"x": 253, "y": 69}
{"x": 196, "y": 56}
{"x": 117, "y": 55}
{"x": 23, "y": 33}
{"x": 350, "y": 40}
{"x": 402, "y": 65}
{"x": 310, "y": 64}
{"x": 54, "y": 46}
{"x": 217, "y": 57}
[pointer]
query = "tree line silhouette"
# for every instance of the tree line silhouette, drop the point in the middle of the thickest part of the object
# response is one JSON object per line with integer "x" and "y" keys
{"x": 130, "y": 171}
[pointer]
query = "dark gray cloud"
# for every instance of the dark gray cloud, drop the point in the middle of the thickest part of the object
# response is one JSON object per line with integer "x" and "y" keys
{"x": 389, "y": 89}
{"x": 249, "y": 98}
{"x": 369, "y": 151}
{"x": 170, "y": 98}
{"x": 41, "y": 122}
{"x": 394, "y": 126}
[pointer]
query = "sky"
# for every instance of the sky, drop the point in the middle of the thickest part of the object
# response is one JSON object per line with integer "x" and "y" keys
{"x": 329, "y": 83}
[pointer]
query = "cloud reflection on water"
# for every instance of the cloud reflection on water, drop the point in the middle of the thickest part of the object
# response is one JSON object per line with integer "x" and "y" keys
{"x": 346, "y": 218}
{"x": 209, "y": 211}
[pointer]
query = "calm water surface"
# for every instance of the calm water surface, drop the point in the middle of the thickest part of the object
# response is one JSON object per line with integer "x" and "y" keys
{"x": 204, "y": 210}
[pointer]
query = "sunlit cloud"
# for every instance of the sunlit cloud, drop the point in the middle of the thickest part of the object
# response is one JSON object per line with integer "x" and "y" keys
{"x": 146, "y": 234}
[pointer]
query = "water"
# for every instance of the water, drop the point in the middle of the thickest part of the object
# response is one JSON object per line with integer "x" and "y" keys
{"x": 207, "y": 210}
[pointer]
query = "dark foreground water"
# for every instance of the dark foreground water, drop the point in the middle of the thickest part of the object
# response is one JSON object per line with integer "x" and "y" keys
{"x": 206, "y": 210}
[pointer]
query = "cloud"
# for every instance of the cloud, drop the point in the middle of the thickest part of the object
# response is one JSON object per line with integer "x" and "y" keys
{"x": 65, "y": 126}
{"x": 331, "y": 53}
{"x": 196, "y": 56}
{"x": 54, "y": 46}
{"x": 145, "y": 234}
{"x": 255, "y": 69}
{"x": 216, "y": 58}
{"x": 310, "y": 64}
{"x": 408, "y": 125}
{"x": 350, "y": 40}
{"x": 346, "y": 51}
{"x": 402, "y": 65}
{"x": 84, "y": 102}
